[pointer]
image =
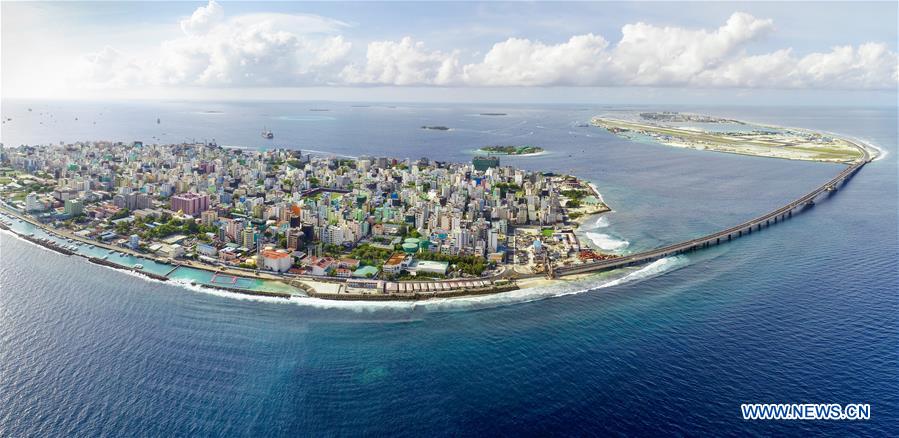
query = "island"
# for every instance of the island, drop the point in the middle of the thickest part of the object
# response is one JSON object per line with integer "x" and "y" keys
{"x": 493, "y": 114}
{"x": 435, "y": 128}
{"x": 512, "y": 150}
{"x": 686, "y": 131}
{"x": 285, "y": 223}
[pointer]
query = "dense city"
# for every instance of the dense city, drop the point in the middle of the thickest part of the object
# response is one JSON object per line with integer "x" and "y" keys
{"x": 284, "y": 211}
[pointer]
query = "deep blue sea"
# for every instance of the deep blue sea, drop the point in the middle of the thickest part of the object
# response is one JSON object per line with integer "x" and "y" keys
{"x": 804, "y": 312}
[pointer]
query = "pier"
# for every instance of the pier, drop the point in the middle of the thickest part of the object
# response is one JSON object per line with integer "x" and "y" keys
{"x": 719, "y": 237}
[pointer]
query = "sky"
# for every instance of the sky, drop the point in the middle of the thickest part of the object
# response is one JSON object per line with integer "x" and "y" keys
{"x": 615, "y": 52}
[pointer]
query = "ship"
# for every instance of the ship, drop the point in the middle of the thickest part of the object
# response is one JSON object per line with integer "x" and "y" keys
{"x": 158, "y": 121}
{"x": 266, "y": 133}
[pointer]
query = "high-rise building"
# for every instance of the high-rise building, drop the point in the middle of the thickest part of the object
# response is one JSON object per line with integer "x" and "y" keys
{"x": 74, "y": 207}
{"x": 294, "y": 238}
{"x": 190, "y": 203}
{"x": 248, "y": 237}
{"x": 209, "y": 217}
{"x": 32, "y": 203}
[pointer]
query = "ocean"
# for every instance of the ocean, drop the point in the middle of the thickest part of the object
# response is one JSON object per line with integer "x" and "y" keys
{"x": 803, "y": 312}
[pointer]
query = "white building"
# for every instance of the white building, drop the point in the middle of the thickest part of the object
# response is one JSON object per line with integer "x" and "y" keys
{"x": 278, "y": 261}
{"x": 32, "y": 203}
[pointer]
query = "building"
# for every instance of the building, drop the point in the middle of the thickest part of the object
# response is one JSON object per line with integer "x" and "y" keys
{"x": 209, "y": 217}
{"x": 32, "y": 203}
{"x": 482, "y": 163}
{"x": 294, "y": 238}
{"x": 134, "y": 241}
{"x": 343, "y": 272}
{"x": 190, "y": 203}
{"x": 248, "y": 237}
{"x": 321, "y": 265}
{"x": 396, "y": 263}
{"x": 429, "y": 267}
{"x": 277, "y": 261}
{"x": 74, "y": 207}
{"x": 207, "y": 249}
{"x": 173, "y": 251}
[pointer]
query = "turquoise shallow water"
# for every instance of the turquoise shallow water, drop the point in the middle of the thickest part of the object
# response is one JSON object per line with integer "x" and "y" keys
{"x": 804, "y": 311}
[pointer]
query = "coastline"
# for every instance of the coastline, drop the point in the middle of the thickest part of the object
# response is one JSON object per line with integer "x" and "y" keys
{"x": 312, "y": 287}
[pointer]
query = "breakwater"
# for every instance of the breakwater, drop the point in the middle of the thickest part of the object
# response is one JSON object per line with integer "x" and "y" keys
{"x": 48, "y": 244}
{"x": 259, "y": 293}
{"x": 107, "y": 263}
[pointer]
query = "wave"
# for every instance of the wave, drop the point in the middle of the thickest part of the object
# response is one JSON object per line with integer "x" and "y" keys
{"x": 606, "y": 242}
{"x": 601, "y": 222}
{"x": 559, "y": 288}
{"x": 881, "y": 152}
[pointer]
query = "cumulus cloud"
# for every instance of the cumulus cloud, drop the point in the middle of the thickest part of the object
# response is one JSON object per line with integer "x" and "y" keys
{"x": 265, "y": 49}
{"x": 203, "y": 19}
{"x": 582, "y": 60}
{"x": 109, "y": 67}
{"x": 274, "y": 49}
{"x": 403, "y": 62}
{"x": 653, "y": 55}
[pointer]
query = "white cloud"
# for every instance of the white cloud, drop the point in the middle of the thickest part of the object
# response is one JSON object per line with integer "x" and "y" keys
{"x": 652, "y": 55}
{"x": 581, "y": 60}
{"x": 110, "y": 68}
{"x": 263, "y": 49}
{"x": 274, "y": 49}
{"x": 403, "y": 62}
{"x": 203, "y": 19}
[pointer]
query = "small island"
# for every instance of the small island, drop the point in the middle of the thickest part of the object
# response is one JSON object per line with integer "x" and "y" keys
{"x": 512, "y": 150}
{"x": 435, "y": 128}
{"x": 493, "y": 114}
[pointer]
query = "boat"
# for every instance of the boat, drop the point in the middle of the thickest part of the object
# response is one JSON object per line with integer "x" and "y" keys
{"x": 138, "y": 266}
{"x": 266, "y": 133}
{"x": 158, "y": 121}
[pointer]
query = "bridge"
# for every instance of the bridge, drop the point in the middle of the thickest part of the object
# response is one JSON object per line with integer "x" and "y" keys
{"x": 719, "y": 237}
